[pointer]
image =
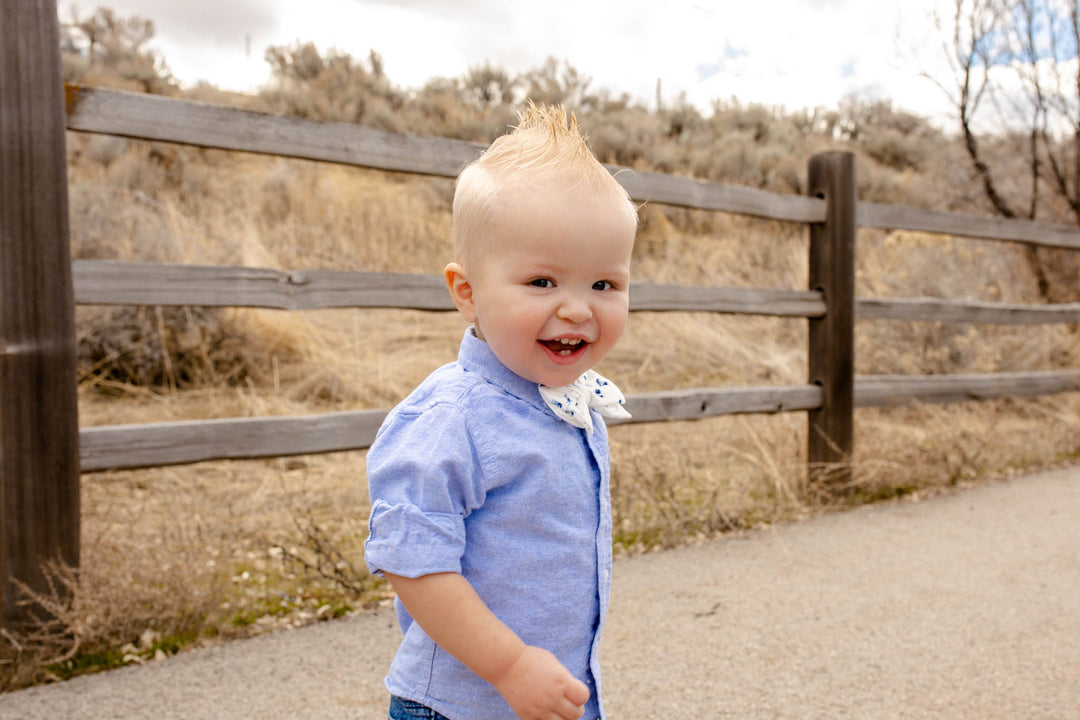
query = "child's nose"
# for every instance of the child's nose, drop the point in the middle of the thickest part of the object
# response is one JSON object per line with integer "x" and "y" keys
{"x": 575, "y": 309}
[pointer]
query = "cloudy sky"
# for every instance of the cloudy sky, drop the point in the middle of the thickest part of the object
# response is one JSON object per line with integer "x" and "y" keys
{"x": 790, "y": 53}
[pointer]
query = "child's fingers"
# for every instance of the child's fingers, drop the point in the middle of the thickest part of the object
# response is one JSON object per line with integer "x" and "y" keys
{"x": 572, "y": 704}
{"x": 576, "y": 692}
{"x": 570, "y": 710}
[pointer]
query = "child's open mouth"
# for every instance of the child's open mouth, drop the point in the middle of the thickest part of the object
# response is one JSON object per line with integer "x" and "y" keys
{"x": 564, "y": 347}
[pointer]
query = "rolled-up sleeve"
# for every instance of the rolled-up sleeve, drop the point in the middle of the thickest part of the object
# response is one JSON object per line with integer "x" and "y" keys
{"x": 423, "y": 479}
{"x": 405, "y": 540}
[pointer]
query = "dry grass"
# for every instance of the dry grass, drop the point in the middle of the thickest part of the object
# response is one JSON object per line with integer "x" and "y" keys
{"x": 196, "y": 554}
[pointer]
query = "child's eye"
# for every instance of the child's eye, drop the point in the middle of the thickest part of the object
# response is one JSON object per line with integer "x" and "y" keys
{"x": 542, "y": 283}
{"x": 603, "y": 285}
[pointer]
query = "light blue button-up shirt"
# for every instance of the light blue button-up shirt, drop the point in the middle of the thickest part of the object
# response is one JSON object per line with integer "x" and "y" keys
{"x": 472, "y": 474}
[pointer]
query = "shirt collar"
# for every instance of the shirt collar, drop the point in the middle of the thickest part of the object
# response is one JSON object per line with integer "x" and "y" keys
{"x": 476, "y": 356}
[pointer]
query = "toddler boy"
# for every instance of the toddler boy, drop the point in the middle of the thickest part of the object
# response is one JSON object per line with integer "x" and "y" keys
{"x": 489, "y": 483}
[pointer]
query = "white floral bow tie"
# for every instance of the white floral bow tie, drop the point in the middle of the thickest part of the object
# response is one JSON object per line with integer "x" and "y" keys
{"x": 591, "y": 390}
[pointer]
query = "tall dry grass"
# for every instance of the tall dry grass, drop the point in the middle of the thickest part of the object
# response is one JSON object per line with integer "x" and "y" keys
{"x": 175, "y": 556}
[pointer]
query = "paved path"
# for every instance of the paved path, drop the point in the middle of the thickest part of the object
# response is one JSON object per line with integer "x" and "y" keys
{"x": 965, "y": 606}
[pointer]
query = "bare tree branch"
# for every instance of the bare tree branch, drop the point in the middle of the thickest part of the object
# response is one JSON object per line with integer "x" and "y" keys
{"x": 1015, "y": 88}
{"x": 973, "y": 32}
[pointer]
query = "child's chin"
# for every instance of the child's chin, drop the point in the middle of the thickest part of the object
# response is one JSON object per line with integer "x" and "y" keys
{"x": 564, "y": 376}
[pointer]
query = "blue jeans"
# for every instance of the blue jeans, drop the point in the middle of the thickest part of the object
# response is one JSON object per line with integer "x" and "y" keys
{"x": 402, "y": 709}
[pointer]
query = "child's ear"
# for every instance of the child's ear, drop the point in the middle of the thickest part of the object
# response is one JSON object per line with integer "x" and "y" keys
{"x": 461, "y": 292}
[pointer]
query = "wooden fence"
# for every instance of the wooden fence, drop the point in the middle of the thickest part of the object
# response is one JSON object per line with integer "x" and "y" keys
{"x": 43, "y": 451}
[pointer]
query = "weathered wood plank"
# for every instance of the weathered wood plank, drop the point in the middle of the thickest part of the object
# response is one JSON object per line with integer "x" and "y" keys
{"x": 950, "y": 311}
{"x": 109, "y": 282}
{"x": 151, "y": 117}
{"x": 647, "y": 186}
{"x": 736, "y": 301}
{"x": 699, "y": 403}
{"x": 899, "y": 217}
{"x": 888, "y": 390}
{"x": 831, "y": 338}
{"x": 39, "y": 471}
{"x": 177, "y": 443}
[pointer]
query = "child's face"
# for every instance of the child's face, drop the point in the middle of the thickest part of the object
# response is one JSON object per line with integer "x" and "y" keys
{"x": 550, "y": 289}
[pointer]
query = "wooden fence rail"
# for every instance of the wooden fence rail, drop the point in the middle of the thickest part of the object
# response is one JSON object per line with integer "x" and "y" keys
{"x": 149, "y": 117}
{"x": 116, "y": 447}
{"x": 112, "y": 282}
{"x": 39, "y": 482}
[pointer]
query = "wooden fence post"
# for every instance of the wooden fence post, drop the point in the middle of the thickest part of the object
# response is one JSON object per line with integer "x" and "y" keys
{"x": 39, "y": 454}
{"x": 830, "y": 437}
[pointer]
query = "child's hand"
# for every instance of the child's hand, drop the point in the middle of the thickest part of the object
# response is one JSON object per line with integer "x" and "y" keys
{"x": 530, "y": 679}
{"x": 538, "y": 687}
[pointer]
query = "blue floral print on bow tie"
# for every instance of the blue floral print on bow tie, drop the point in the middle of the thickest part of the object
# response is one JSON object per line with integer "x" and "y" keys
{"x": 592, "y": 390}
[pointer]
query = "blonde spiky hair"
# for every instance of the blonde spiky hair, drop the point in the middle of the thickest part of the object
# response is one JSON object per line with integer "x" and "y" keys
{"x": 546, "y": 146}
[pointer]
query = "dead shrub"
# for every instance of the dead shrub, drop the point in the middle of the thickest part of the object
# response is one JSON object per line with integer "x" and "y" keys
{"x": 162, "y": 347}
{"x": 127, "y": 603}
